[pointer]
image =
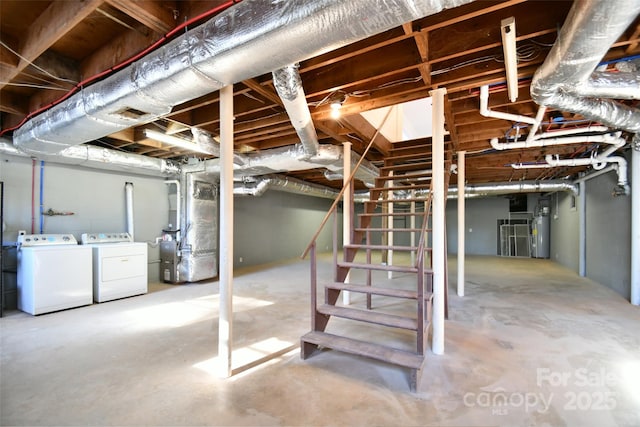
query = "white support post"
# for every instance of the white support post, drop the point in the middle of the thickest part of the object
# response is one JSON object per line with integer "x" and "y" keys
{"x": 438, "y": 224}
{"x": 225, "y": 324}
{"x": 635, "y": 226}
{"x": 582, "y": 230}
{"x": 390, "y": 225}
{"x": 346, "y": 209}
{"x": 461, "y": 221}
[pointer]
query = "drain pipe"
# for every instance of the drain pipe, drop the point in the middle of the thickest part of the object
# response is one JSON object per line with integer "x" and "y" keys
{"x": 598, "y": 162}
{"x": 551, "y": 138}
{"x": 128, "y": 193}
{"x": 288, "y": 84}
{"x": 41, "y": 196}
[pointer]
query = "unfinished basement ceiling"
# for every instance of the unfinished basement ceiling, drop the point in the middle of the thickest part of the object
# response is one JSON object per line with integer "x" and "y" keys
{"x": 49, "y": 46}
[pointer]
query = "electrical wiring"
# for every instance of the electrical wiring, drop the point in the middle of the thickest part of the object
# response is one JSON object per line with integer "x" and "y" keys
{"x": 35, "y": 86}
{"x": 34, "y": 65}
{"x": 125, "y": 63}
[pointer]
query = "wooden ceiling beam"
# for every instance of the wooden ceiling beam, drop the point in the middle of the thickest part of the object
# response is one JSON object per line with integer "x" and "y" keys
{"x": 57, "y": 20}
{"x": 363, "y": 128}
{"x": 13, "y": 104}
{"x": 152, "y": 14}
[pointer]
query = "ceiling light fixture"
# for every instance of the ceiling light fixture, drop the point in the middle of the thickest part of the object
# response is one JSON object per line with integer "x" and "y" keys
{"x": 335, "y": 103}
{"x": 174, "y": 140}
{"x": 508, "y": 31}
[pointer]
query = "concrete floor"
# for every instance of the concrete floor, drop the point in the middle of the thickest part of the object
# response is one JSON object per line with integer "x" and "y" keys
{"x": 530, "y": 344}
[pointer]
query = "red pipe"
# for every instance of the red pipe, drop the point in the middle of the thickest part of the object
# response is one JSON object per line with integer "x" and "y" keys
{"x": 154, "y": 46}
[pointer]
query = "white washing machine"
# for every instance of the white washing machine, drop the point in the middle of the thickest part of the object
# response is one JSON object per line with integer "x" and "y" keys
{"x": 119, "y": 265}
{"x": 54, "y": 273}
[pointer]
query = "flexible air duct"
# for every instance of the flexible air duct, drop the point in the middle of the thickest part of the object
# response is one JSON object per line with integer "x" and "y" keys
{"x": 249, "y": 39}
{"x": 288, "y": 84}
{"x": 567, "y": 81}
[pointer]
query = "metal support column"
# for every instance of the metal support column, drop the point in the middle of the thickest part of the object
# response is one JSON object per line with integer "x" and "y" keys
{"x": 461, "y": 222}
{"x": 225, "y": 325}
{"x": 438, "y": 225}
{"x": 582, "y": 230}
{"x": 635, "y": 225}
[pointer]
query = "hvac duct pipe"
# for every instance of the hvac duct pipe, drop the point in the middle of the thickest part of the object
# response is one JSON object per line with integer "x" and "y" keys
{"x": 225, "y": 323}
{"x": 179, "y": 227}
{"x": 566, "y": 80}
{"x": 288, "y": 84}
{"x": 635, "y": 222}
{"x": 128, "y": 197}
{"x": 438, "y": 218}
{"x": 247, "y": 40}
{"x": 461, "y": 221}
{"x": 347, "y": 210}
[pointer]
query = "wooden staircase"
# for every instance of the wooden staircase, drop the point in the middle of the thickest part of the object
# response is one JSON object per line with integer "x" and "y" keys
{"x": 399, "y": 197}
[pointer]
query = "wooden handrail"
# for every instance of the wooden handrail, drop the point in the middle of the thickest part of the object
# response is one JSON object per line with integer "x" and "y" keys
{"x": 344, "y": 187}
{"x": 425, "y": 220}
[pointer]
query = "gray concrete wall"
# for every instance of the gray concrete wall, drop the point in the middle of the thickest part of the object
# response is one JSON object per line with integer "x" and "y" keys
{"x": 95, "y": 197}
{"x": 481, "y": 218}
{"x": 608, "y": 235}
{"x": 278, "y": 225}
{"x": 564, "y": 223}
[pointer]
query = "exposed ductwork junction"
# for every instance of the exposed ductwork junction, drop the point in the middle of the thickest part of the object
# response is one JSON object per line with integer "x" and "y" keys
{"x": 568, "y": 79}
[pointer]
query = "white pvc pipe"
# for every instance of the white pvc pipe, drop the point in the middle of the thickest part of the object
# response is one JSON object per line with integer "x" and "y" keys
{"x": 609, "y": 138}
{"x": 438, "y": 225}
{"x": 128, "y": 193}
{"x": 346, "y": 209}
{"x": 225, "y": 324}
{"x": 485, "y": 111}
{"x": 538, "y": 120}
{"x": 582, "y": 230}
{"x": 461, "y": 221}
{"x": 635, "y": 226}
{"x": 595, "y": 162}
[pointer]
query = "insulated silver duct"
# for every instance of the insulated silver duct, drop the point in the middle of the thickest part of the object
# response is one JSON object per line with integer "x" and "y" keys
{"x": 103, "y": 158}
{"x": 502, "y": 188}
{"x": 566, "y": 80}
{"x": 198, "y": 248}
{"x": 289, "y": 185}
{"x": 288, "y": 84}
{"x": 249, "y": 39}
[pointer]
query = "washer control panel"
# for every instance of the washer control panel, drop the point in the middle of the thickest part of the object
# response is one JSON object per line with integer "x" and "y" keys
{"x": 88, "y": 238}
{"x": 46, "y": 239}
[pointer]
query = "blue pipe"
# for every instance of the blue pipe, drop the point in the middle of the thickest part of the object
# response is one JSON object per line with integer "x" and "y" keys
{"x": 41, "y": 196}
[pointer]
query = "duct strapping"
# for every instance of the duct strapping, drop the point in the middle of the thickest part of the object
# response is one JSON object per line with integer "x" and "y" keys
{"x": 566, "y": 80}
{"x": 249, "y": 39}
{"x": 288, "y": 84}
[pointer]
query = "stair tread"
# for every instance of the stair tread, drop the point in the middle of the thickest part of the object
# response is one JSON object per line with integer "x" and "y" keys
{"x": 370, "y": 317}
{"x": 362, "y": 348}
{"x": 414, "y": 199}
{"x": 391, "y": 229}
{"x": 382, "y": 247}
{"x": 389, "y": 161}
{"x": 398, "y": 268}
{"x": 375, "y": 290}
{"x": 393, "y": 214}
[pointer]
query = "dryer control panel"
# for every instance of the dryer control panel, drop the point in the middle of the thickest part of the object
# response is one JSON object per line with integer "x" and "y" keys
{"x": 88, "y": 238}
{"x": 46, "y": 239}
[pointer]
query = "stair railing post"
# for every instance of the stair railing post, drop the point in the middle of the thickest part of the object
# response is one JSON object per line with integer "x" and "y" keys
{"x": 347, "y": 210}
{"x": 314, "y": 285}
